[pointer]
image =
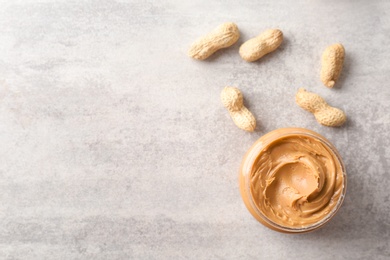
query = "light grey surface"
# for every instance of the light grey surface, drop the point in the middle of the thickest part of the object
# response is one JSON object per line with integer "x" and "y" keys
{"x": 114, "y": 144}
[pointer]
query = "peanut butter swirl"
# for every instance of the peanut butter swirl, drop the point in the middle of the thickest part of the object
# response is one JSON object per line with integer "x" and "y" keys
{"x": 296, "y": 180}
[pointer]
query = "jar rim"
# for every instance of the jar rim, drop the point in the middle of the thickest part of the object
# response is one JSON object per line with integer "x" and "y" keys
{"x": 260, "y": 144}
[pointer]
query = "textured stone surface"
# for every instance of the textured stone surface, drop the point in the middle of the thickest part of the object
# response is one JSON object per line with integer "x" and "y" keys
{"x": 115, "y": 145}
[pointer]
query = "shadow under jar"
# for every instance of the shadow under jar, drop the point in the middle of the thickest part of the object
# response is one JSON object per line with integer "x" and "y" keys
{"x": 292, "y": 180}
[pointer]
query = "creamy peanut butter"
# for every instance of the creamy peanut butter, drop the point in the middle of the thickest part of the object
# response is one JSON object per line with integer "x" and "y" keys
{"x": 293, "y": 177}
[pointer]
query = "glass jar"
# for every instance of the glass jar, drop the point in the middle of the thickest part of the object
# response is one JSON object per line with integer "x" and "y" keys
{"x": 292, "y": 180}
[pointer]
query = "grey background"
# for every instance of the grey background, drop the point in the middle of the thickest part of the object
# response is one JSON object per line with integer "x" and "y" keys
{"x": 114, "y": 144}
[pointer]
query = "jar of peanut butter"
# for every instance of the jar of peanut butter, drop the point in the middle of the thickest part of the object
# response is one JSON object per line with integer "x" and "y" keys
{"x": 293, "y": 180}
